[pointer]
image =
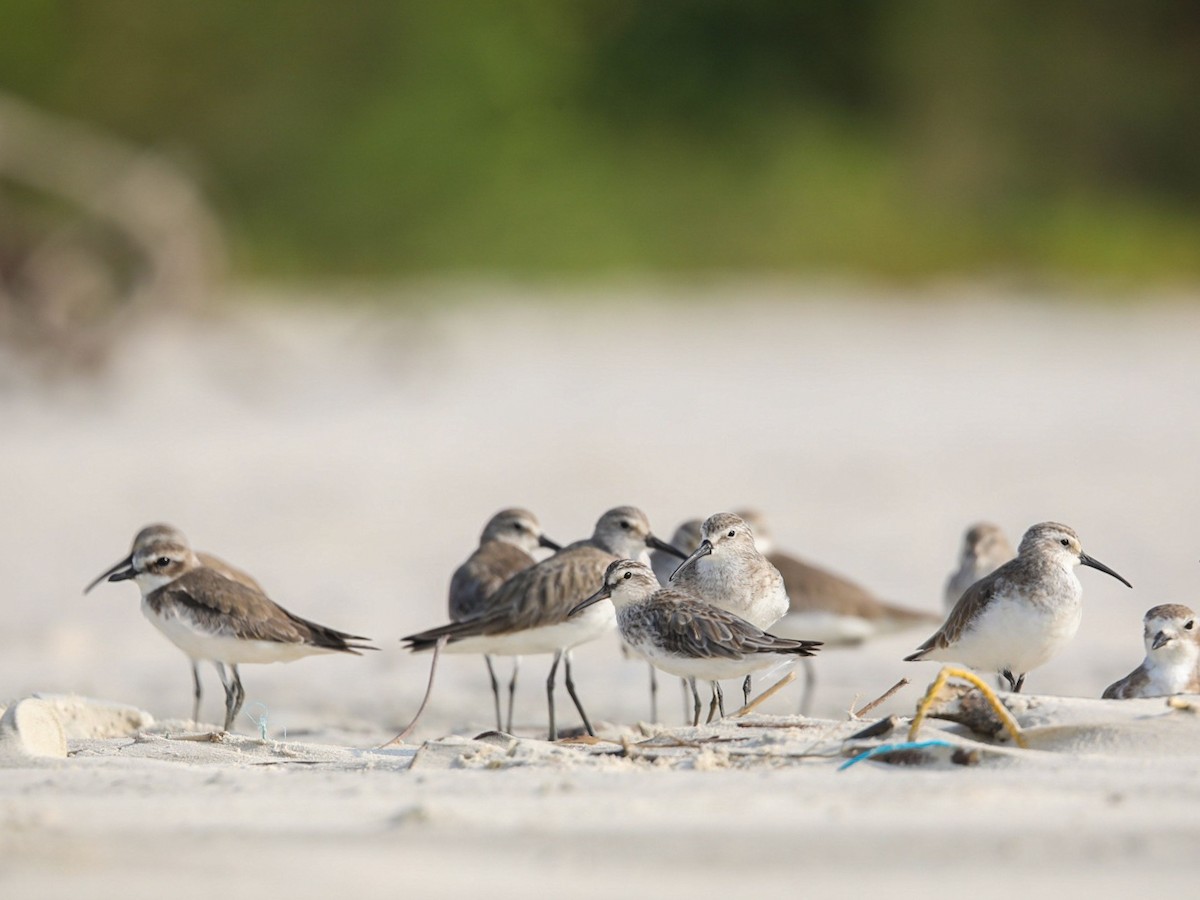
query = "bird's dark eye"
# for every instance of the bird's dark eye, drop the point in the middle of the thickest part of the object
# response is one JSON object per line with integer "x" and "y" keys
{"x": 1190, "y": 625}
{"x": 162, "y": 562}
{"x": 1065, "y": 542}
{"x": 731, "y": 534}
{"x": 625, "y": 525}
{"x": 630, "y": 575}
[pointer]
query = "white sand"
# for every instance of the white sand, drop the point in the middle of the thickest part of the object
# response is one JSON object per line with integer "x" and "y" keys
{"x": 348, "y": 460}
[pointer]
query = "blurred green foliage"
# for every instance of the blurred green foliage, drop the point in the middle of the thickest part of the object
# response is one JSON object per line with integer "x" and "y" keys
{"x": 381, "y": 137}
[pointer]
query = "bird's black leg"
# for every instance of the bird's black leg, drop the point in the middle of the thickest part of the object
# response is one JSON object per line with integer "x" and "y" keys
{"x": 810, "y": 684}
{"x": 696, "y": 705}
{"x": 550, "y": 695}
{"x": 495, "y": 690}
{"x": 571, "y": 690}
{"x": 720, "y": 698}
{"x": 1012, "y": 682}
{"x": 712, "y": 703}
{"x": 1020, "y": 683}
{"x": 239, "y": 697}
{"x": 653, "y": 695}
{"x": 747, "y": 687}
{"x": 228, "y": 685}
{"x": 196, "y": 693}
{"x": 512, "y": 691}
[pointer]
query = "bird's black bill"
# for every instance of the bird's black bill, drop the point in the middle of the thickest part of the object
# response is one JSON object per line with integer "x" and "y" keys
{"x": 544, "y": 541}
{"x": 659, "y": 544}
{"x": 1160, "y": 640}
{"x": 704, "y": 549}
{"x": 112, "y": 573}
{"x": 603, "y": 594}
{"x": 1096, "y": 564}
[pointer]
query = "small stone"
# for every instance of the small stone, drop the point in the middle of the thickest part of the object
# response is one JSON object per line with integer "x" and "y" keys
{"x": 30, "y": 729}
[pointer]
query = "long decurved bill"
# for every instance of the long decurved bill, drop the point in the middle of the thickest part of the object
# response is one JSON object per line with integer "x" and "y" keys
{"x": 659, "y": 544}
{"x": 544, "y": 541}
{"x": 603, "y": 594}
{"x": 1086, "y": 560}
{"x": 115, "y": 573}
{"x": 704, "y": 549}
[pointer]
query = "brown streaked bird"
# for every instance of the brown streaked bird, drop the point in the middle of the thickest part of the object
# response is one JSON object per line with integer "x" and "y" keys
{"x": 828, "y": 607}
{"x": 984, "y": 550}
{"x": 1015, "y": 619}
{"x": 1172, "y": 663}
{"x": 529, "y": 613}
{"x": 217, "y": 614}
{"x": 728, "y": 571}
{"x": 686, "y": 636}
{"x": 505, "y": 548}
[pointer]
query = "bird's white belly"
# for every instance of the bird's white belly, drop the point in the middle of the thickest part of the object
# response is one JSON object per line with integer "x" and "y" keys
{"x": 1015, "y": 635}
{"x": 200, "y": 644}
{"x": 595, "y": 621}
{"x": 1163, "y": 681}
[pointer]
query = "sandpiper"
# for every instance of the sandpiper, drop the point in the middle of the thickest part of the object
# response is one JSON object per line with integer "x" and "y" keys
{"x": 729, "y": 572}
{"x": 529, "y": 612}
{"x": 686, "y": 636}
{"x": 218, "y": 613}
{"x": 505, "y": 548}
{"x": 687, "y": 538}
{"x": 828, "y": 607}
{"x": 1015, "y": 619}
{"x": 1172, "y": 663}
{"x": 984, "y": 550}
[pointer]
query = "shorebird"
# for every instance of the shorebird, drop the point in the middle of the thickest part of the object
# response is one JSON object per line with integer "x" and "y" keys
{"x": 505, "y": 548}
{"x": 984, "y": 550}
{"x": 729, "y": 572}
{"x": 1015, "y": 619}
{"x": 687, "y": 538}
{"x": 827, "y": 607}
{"x": 686, "y": 636}
{"x": 213, "y": 611}
{"x": 529, "y": 612}
{"x": 1172, "y": 664}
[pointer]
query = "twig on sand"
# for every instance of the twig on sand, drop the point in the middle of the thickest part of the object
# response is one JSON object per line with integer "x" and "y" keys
{"x": 858, "y": 714}
{"x": 766, "y": 695}
{"x": 399, "y": 739}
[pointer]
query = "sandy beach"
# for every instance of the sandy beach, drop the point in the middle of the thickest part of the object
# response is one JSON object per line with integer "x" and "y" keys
{"x": 348, "y": 455}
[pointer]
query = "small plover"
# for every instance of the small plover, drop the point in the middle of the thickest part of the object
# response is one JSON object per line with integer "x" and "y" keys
{"x": 728, "y": 571}
{"x": 686, "y": 636}
{"x": 1172, "y": 664}
{"x": 529, "y": 613}
{"x": 161, "y": 532}
{"x": 211, "y": 615}
{"x": 1015, "y": 619}
{"x": 505, "y": 548}
{"x": 984, "y": 550}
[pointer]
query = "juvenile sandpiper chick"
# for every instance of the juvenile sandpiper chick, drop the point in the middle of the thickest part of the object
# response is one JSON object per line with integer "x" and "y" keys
{"x": 828, "y": 607}
{"x": 727, "y": 571}
{"x": 1172, "y": 664}
{"x": 216, "y": 617}
{"x": 505, "y": 548}
{"x": 984, "y": 550}
{"x": 529, "y": 612}
{"x": 1015, "y": 619}
{"x": 685, "y": 636}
